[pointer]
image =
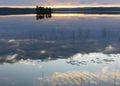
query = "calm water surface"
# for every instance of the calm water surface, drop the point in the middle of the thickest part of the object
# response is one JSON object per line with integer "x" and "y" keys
{"x": 60, "y": 50}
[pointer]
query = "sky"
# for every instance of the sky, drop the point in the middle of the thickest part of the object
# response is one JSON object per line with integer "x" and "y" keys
{"x": 57, "y": 2}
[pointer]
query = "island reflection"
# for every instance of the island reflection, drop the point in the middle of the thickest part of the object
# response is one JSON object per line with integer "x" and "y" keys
{"x": 43, "y": 16}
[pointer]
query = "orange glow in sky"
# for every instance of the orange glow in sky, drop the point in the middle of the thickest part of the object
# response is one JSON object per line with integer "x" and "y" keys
{"x": 75, "y": 6}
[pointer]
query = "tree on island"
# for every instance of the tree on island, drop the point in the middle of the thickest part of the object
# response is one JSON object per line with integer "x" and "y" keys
{"x": 43, "y": 10}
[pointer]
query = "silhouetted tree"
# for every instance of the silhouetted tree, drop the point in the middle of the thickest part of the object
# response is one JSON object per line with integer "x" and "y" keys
{"x": 42, "y": 10}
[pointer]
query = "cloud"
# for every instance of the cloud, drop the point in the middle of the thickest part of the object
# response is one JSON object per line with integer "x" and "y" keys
{"x": 62, "y": 2}
{"x": 56, "y": 2}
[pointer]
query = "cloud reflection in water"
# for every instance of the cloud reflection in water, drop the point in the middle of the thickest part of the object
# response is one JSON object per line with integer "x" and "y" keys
{"x": 99, "y": 58}
{"x": 82, "y": 78}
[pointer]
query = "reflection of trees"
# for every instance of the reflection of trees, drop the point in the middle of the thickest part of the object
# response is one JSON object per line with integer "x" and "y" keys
{"x": 43, "y": 16}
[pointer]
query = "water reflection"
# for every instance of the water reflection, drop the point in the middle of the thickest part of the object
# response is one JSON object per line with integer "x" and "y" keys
{"x": 59, "y": 43}
{"x": 77, "y": 59}
{"x": 52, "y": 50}
{"x": 60, "y": 51}
{"x": 83, "y": 15}
{"x": 62, "y": 15}
{"x": 82, "y": 78}
{"x": 43, "y": 16}
{"x": 97, "y": 58}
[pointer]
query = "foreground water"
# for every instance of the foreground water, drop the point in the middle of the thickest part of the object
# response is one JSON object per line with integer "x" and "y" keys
{"x": 60, "y": 50}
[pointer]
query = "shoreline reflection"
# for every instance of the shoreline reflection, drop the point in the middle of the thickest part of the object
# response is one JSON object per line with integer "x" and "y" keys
{"x": 62, "y": 15}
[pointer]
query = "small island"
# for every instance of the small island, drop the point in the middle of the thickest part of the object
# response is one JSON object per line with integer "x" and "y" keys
{"x": 43, "y": 10}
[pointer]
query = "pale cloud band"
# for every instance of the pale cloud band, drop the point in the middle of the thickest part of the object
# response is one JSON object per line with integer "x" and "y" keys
{"x": 58, "y": 2}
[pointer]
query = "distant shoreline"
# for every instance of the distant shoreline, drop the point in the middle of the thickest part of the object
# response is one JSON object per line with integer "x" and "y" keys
{"x": 83, "y": 10}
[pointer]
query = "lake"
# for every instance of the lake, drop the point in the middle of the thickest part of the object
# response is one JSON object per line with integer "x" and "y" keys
{"x": 60, "y": 50}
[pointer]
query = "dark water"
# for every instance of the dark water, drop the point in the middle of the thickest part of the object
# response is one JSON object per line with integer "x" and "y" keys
{"x": 60, "y": 50}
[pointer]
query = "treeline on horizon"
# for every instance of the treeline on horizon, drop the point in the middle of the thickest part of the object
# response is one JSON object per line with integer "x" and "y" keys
{"x": 42, "y": 10}
{"x": 89, "y": 9}
{"x": 12, "y": 11}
